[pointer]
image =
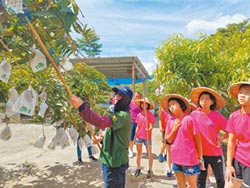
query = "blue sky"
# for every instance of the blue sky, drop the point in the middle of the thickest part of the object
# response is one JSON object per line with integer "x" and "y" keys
{"x": 137, "y": 27}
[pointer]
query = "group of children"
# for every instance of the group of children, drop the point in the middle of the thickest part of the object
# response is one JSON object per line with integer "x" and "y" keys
{"x": 192, "y": 137}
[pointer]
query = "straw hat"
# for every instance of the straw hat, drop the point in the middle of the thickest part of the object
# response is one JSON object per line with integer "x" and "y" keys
{"x": 147, "y": 101}
{"x": 195, "y": 94}
{"x": 164, "y": 102}
{"x": 234, "y": 89}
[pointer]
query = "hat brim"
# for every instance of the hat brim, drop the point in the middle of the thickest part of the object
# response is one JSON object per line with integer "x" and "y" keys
{"x": 123, "y": 91}
{"x": 235, "y": 88}
{"x": 193, "y": 106}
{"x": 116, "y": 90}
{"x": 164, "y": 102}
{"x": 151, "y": 106}
{"x": 195, "y": 94}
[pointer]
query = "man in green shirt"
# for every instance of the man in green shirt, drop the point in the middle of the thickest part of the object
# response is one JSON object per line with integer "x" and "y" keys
{"x": 115, "y": 143}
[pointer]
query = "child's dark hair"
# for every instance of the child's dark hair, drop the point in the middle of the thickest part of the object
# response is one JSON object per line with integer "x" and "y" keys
{"x": 181, "y": 103}
{"x": 212, "y": 97}
{"x": 243, "y": 85}
{"x": 138, "y": 93}
{"x": 142, "y": 102}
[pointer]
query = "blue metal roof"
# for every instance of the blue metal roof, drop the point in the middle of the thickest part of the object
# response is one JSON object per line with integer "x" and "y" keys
{"x": 122, "y": 81}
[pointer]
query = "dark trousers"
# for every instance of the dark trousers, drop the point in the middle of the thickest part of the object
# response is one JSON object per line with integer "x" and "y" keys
{"x": 216, "y": 163}
{"x": 114, "y": 177}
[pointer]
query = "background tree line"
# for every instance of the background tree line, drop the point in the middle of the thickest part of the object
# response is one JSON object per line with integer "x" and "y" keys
{"x": 215, "y": 61}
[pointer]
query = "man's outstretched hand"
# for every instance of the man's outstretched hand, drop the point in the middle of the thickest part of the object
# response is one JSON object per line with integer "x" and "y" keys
{"x": 75, "y": 101}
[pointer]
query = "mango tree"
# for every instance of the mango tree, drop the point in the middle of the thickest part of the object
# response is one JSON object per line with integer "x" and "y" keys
{"x": 55, "y": 22}
{"x": 214, "y": 61}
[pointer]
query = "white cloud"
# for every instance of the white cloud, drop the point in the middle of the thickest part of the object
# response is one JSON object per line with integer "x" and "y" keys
{"x": 149, "y": 66}
{"x": 197, "y": 25}
{"x": 149, "y": 62}
{"x": 231, "y": 1}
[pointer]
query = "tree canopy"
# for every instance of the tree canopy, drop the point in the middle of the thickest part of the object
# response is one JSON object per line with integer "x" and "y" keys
{"x": 55, "y": 22}
{"x": 90, "y": 46}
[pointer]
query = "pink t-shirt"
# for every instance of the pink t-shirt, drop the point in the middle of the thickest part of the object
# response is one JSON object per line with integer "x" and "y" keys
{"x": 183, "y": 148}
{"x": 239, "y": 125}
{"x": 163, "y": 118}
{"x": 210, "y": 125}
{"x": 134, "y": 111}
{"x": 142, "y": 125}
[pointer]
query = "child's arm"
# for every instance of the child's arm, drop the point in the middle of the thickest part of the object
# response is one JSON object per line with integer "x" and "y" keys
{"x": 136, "y": 130}
{"x": 230, "y": 154}
{"x": 198, "y": 144}
{"x": 223, "y": 135}
{"x": 161, "y": 119}
{"x": 160, "y": 125}
{"x": 150, "y": 127}
{"x": 170, "y": 137}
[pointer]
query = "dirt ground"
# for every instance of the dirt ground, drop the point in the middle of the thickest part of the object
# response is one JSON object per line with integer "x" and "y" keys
{"x": 24, "y": 166}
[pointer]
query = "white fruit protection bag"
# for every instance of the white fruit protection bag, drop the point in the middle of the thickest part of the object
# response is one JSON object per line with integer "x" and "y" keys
{"x": 26, "y": 102}
{"x": 73, "y": 134}
{"x": 61, "y": 138}
{"x": 38, "y": 63}
{"x": 40, "y": 141}
{"x": 65, "y": 65}
{"x": 5, "y": 71}
{"x": 5, "y": 133}
{"x": 13, "y": 96}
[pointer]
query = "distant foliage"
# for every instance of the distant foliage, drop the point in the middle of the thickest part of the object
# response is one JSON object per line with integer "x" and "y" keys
{"x": 90, "y": 45}
{"x": 214, "y": 61}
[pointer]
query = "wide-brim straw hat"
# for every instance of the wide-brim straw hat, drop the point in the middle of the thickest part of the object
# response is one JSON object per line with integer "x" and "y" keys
{"x": 151, "y": 106}
{"x": 235, "y": 88}
{"x": 195, "y": 94}
{"x": 164, "y": 102}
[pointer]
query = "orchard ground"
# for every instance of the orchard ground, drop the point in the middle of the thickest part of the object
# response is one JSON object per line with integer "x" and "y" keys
{"x": 24, "y": 166}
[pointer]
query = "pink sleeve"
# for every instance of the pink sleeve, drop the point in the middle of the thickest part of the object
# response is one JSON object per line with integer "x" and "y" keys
{"x": 137, "y": 118}
{"x": 223, "y": 123}
{"x": 152, "y": 118}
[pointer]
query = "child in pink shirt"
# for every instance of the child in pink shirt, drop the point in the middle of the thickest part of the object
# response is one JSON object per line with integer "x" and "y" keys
{"x": 143, "y": 134}
{"x": 184, "y": 137}
{"x": 238, "y": 150}
{"x": 134, "y": 111}
{"x": 210, "y": 122}
{"x": 163, "y": 119}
